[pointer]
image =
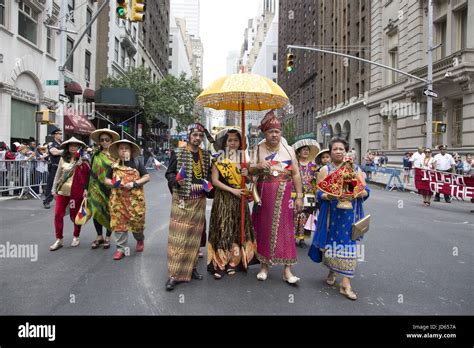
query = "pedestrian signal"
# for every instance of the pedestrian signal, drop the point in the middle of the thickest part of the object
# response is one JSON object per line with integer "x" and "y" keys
{"x": 439, "y": 127}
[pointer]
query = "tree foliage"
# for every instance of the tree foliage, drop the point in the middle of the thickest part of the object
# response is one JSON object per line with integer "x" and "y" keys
{"x": 172, "y": 96}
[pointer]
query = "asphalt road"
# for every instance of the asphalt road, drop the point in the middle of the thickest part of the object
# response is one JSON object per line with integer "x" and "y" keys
{"x": 418, "y": 260}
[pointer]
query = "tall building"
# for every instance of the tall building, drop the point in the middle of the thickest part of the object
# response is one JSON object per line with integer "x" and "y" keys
{"x": 396, "y": 104}
{"x": 153, "y": 37}
{"x": 178, "y": 55}
{"x": 29, "y": 60}
{"x": 327, "y": 92}
{"x": 189, "y": 10}
{"x": 232, "y": 62}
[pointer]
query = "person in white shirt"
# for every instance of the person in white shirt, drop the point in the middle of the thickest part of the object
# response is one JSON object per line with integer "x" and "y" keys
{"x": 417, "y": 158}
{"x": 468, "y": 165}
{"x": 444, "y": 162}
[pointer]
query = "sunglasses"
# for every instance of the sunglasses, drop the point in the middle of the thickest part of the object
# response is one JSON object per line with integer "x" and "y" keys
{"x": 427, "y": 151}
{"x": 107, "y": 140}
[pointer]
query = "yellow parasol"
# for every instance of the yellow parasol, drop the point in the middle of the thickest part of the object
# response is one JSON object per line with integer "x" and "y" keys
{"x": 241, "y": 92}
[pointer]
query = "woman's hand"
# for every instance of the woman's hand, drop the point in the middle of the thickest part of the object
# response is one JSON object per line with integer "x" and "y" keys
{"x": 264, "y": 165}
{"x": 237, "y": 192}
{"x": 328, "y": 197}
{"x": 84, "y": 195}
{"x": 299, "y": 205}
{"x": 128, "y": 186}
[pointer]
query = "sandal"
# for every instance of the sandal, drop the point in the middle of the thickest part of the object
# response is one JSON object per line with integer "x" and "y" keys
{"x": 230, "y": 271}
{"x": 107, "y": 243}
{"x": 218, "y": 274}
{"x": 331, "y": 280}
{"x": 96, "y": 243}
{"x": 351, "y": 295}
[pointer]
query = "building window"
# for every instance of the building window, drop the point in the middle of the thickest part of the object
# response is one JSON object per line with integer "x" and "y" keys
{"x": 70, "y": 62}
{"x": 88, "y": 67}
{"x": 2, "y": 12}
{"x": 441, "y": 39}
{"x": 49, "y": 41}
{"x": 71, "y": 6}
{"x": 116, "y": 53}
{"x": 274, "y": 69}
{"x": 122, "y": 56}
{"x": 274, "y": 56}
{"x": 27, "y": 22}
{"x": 461, "y": 37}
{"x": 88, "y": 20}
{"x": 393, "y": 54}
{"x": 457, "y": 123}
{"x": 170, "y": 51}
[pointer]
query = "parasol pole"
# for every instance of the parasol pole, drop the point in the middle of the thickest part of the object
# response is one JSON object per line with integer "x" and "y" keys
{"x": 243, "y": 165}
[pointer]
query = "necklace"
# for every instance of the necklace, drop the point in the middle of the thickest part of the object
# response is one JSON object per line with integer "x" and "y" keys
{"x": 197, "y": 167}
{"x": 272, "y": 150}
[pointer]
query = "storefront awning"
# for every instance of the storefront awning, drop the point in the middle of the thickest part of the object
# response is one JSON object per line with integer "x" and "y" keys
{"x": 89, "y": 94}
{"x": 77, "y": 124}
{"x": 73, "y": 88}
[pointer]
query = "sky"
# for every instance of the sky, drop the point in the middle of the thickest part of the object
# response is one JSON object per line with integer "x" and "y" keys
{"x": 222, "y": 30}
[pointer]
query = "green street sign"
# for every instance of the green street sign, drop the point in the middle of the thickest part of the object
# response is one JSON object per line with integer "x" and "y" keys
{"x": 52, "y": 82}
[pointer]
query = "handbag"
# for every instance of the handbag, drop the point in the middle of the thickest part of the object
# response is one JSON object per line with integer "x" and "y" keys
{"x": 360, "y": 227}
{"x": 84, "y": 213}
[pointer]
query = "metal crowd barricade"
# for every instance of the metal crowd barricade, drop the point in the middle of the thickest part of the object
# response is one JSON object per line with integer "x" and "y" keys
{"x": 394, "y": 173}
{"x": 23, "y": 178}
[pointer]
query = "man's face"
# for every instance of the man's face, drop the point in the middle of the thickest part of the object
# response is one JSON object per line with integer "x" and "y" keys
{"x": 273, "y": 137}
{"x": 420, "y": 150}
{"x": 58, "y": 136}
{"x": 443, "y": 151}
{"x": 196, "y": 138}
{"x": 469, "y": 159}
{"x": 33, "y": 145}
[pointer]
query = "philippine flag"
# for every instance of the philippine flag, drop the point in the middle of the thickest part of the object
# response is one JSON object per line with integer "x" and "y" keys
{"x": 272, "y": 158}
{"x": 79, "y": 153}
{"x": 181, "y": 174}
{"x": 116, "y": 181}
{"x": 83, "y": 212}
{"x": 287, "y": 164}
{"x": 207, "y": 185}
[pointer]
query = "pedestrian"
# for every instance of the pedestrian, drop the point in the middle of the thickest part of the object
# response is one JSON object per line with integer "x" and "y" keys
{"x": 68, "y": 188}
{"x": 98, "y": 193}
{"x": 444, "y": 162}
{"x": 188, "y": 173}
{"x": 369, "y": 165}
{"x": 459, "y": 164}
{"x": 276, "y": 167}
{"x": 322, "y": 159}
{"x": 407, "y": 168}
{"x": 226, "y": 254}
{"x": 306, "y": 151}
{"x": 126, "y": 178}
{"x": 41, "y": 167}
{"x": 428, "y": 163}
{"x": 54, "y": 152}
{"x": 417, "y": 158}
{"x": 468, "y": 165}
{"x": 334, "y": 225}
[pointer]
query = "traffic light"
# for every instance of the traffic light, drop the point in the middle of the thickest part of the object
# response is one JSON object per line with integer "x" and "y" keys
{"x": 45, "y": 116}
{"x": 138, "y": 11}
{"x": 439, "y": 127}
{"x": 290, "y": 62}
{"x": 122, "y": 9}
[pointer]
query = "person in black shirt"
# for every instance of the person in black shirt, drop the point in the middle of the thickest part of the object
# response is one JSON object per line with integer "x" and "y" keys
{"x": 126, "y": 177}
{"x": 55, "y": 152}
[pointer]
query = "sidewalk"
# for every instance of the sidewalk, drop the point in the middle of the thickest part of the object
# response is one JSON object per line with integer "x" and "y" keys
{"x": 382, "y": 180}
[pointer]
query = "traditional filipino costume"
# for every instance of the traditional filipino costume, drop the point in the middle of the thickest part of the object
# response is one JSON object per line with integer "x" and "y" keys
{"x": 225, "y": 250}
{"x": 188, "y": 210}
{"x": 332, "y": 242}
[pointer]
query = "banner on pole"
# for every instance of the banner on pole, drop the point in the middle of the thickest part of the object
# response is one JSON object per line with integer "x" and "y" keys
{"x": 459, "y": 186}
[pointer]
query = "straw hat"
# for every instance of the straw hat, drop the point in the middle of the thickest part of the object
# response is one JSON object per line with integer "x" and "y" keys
{"x": 73, "y": 140}
{"x": 96, "y": 134}
{"x": 318, "y": 157}
{"x": 220, "y": 136}
{"x": 311, "y": 143}
{"x": 113, "y": 149}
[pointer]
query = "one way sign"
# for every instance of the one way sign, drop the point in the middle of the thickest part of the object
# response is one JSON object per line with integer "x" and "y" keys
{"x": 430, "y": 93}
